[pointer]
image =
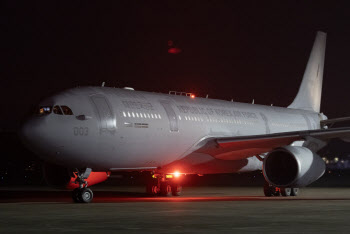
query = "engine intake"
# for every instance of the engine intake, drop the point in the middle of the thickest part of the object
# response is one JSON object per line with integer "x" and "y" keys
{"x": 292, "y": 166}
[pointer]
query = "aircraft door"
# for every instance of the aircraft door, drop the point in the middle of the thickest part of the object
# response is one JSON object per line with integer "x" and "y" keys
{"x": 171, "y": 116}
{"x": 107, "y": 120}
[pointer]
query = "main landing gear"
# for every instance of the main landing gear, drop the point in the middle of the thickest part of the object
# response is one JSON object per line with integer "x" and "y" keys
{"x": 270, "y": 190}
{"x": 82, "y": 194}
{"x": 163, "y": 185}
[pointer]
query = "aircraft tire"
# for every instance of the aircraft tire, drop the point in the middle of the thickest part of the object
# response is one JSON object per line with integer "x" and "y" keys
{"x": 165, "y": 189}
{"x": 176, "y": 190}
{"x": 268, "y": 190}
{"x": 286, "y": 192}
{"x": 75, "y": 195}
{"x": 152, "y": 189}
{"x": 85, "y": 195}
{"x": 276, "y": 192}
{"x": 294, "y": 192}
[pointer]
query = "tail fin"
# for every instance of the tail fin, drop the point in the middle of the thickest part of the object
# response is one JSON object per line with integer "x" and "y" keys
{"x": 309, "y": 95}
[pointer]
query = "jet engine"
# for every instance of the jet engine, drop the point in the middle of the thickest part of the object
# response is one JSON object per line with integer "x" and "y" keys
{"x": 292, "y": 166}
{"x": 61, "y": 177}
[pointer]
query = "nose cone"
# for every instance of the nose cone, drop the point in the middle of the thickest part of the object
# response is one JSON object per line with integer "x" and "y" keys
{"x": 31, "y": 133}
{"x": 40, "y": 136}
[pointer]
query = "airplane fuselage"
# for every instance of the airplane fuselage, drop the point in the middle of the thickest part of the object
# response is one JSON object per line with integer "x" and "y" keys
{"x": 116, "y": 129}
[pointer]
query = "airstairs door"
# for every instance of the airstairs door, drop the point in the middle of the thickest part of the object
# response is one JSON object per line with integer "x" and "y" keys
{"x": 173, "y": 123}
{"x": 107, "y": 120}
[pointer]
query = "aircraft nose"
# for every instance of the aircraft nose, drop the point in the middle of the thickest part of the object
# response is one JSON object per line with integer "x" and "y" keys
{"x": 30, "y": 132}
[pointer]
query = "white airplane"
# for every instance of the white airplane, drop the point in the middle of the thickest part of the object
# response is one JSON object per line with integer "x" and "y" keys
{"x": 84, "y": 134}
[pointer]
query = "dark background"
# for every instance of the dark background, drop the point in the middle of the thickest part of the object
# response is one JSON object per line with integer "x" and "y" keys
{"x": 229, "y": 49}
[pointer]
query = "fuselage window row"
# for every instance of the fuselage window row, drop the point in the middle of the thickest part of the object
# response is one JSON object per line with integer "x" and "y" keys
{"x": 141, "y": 115}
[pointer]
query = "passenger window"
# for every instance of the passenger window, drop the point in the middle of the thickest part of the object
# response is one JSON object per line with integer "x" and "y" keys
{"x": 66, "y": 110}
{"x": 45, "y": 110}
{"x": 57, "y": 110}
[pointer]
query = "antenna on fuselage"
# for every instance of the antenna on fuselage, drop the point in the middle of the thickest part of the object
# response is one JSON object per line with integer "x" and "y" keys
{"x": 232, "y": 100}
{"x": 207, "y": 96}
{"x": 103, "y": 84}
{"x": 253, "y": 101}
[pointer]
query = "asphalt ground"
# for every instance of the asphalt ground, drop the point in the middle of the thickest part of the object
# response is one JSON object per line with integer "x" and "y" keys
{"x": 198, "y": 210}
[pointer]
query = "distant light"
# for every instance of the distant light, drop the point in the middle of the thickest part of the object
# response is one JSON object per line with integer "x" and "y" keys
{"x": 193, "y": 96}
{"x": 336, "y": 159}
{"x": 168, "y": 176}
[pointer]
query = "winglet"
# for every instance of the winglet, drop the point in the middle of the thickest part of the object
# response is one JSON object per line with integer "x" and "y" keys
{"x": 309, "y": 95}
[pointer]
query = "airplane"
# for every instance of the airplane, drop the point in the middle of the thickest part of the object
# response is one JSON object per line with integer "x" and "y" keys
{"x": 85, "y": 133}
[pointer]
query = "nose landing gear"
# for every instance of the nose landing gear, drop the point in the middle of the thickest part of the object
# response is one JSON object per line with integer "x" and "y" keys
{"x": 82, "y": 194}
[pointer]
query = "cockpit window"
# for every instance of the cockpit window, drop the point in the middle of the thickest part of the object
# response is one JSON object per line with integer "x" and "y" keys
{"x": 45, "y": 110}
{"x": 57, "y": 110}
{"x": 66, "y": 110}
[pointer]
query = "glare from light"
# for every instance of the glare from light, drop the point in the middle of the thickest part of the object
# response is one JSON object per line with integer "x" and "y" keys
{"x": 177, "y": 174}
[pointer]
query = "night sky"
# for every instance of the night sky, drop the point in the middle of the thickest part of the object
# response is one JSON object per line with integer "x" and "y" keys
{"x": 229, "y": 49}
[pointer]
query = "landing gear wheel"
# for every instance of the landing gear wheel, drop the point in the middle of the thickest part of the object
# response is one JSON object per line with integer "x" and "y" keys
{"x": 75, "y": 195}
{"x": 152, "y": 189}
{"x": 176, "y": 190}
{"x": 276, "y": 191}
{"x": 85, "y": 195}
{"x": 286, "y": 192}
{"x": 268, "y": 190}
{"x": 165, "y": 189}
{"x": 294, "y": 192}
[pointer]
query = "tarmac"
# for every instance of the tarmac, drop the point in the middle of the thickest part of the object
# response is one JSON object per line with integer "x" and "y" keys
{"x": 198, "y": 210}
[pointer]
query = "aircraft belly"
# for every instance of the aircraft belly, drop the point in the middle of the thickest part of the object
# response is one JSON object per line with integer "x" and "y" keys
{"x": 198, "y": 163}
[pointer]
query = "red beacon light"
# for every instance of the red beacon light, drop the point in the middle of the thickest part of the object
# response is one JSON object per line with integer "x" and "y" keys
{"x": 193, "y": 96}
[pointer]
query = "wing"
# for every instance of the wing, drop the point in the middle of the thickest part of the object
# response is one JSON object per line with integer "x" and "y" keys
{"x": 234, "y": 148}
{"x": 330, "y": 122}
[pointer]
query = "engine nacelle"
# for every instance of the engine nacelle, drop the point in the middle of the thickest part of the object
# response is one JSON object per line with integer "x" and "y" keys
{"x": 292, "y": 166}
{"x": 61, "y": 177}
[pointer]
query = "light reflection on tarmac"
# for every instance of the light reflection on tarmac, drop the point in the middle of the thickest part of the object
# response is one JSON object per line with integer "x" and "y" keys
{"x": 199, "y": 210}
